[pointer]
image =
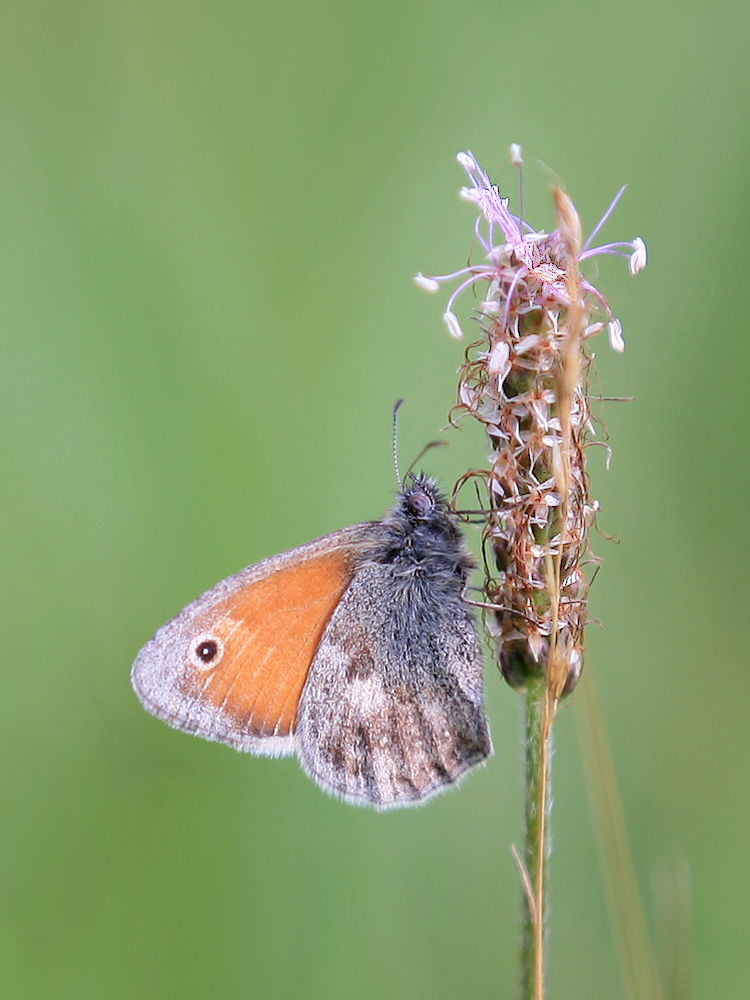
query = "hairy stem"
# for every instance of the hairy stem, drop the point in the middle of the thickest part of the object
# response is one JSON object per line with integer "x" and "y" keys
{"x": 537, "y": 739}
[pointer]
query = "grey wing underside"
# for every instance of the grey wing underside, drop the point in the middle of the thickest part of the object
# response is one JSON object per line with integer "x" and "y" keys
{"x": 391, "y": 713}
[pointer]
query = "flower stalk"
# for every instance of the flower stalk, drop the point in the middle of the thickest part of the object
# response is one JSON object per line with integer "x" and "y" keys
{"x": 525, "y": 379}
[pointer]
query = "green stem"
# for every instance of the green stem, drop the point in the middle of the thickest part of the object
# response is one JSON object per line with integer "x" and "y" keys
{"x": 536, "y": 841}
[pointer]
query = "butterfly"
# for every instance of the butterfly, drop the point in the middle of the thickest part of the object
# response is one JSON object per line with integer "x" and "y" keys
{"x": 357, "y": 652}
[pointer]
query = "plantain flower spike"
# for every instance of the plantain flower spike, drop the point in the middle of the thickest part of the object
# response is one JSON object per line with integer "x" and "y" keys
{"x": 526, "y": 381}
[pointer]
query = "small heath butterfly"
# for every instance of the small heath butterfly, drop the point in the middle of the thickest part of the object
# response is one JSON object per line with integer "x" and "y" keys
{"x": 356, "y": 652}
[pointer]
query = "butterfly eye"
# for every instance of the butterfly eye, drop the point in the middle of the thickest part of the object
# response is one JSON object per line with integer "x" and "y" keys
{"x": 420, "y": 503}
{"x": 206, "y": 652}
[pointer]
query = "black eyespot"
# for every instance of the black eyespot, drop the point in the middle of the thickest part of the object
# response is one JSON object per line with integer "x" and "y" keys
{"x": 207, "y": 650}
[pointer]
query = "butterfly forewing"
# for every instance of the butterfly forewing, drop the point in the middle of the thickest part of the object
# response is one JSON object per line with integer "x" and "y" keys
{"x": 232, "y": 665}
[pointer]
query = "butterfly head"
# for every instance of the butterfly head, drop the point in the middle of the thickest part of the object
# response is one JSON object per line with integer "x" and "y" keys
{"x": 421, "y": 499}
{"x": 422, "y": 533}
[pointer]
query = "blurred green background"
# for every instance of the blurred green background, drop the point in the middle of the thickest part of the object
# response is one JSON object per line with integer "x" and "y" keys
{"x": 210, "y": 215}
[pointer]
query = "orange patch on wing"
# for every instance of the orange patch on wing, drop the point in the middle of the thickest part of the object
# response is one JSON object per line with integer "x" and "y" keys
{"x": 271, "y": 629}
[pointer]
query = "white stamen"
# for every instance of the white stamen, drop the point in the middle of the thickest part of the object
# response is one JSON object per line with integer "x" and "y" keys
{"x": 428, "y": 284}
{"x": 592, "y": 329}
{"x": 454, "y": 327}
{"x": 639, "y": 257}
{"x": 467, "y": 161}
{"x": 616, "y": 339}
{"x": 516, "y": 154}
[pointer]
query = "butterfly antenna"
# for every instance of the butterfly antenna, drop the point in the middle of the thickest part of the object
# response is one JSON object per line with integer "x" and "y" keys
{"x": 396, "y": 408}
{"x": 438, "y": 443}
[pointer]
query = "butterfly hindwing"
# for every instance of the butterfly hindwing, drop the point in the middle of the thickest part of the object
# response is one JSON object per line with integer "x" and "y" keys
{"x": 392, "y": 710}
